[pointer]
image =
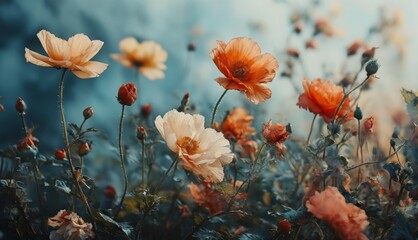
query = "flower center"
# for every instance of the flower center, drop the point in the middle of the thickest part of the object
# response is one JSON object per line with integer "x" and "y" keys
{"x": 240, "y": 70}
{"x": 188, "y": 145}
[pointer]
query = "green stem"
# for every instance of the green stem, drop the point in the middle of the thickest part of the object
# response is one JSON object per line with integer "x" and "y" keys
{"x": 143, "y": 161}
{"x": 67, "y": 145}
{"x": 25, "y": 128}
{"x": 122, "y": 160}
{"x": 310, "y": 130}
{"x": 166, "y": 173}
{"x": 216, "y": 107}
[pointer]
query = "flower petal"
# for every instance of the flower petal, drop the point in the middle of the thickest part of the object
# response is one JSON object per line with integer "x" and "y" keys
{"x": 37, "y": 58}
{"x": 83, "y": 49}
{"x": 57, "y": 48}
{"x": 90, "y": 69}
{"x": 258, "y": 93}
{"x": 263, "y": 69}
{"x": 152, "y": 73}
{"x": 128, "y": 45}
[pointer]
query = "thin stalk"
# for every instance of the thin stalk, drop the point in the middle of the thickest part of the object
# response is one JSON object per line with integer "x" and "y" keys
{"x": 310, "y": 130}
{"x": 122, "y": 160}
{"x": 166, "y": 173}
{"x": 67, "y": 145}
{"x": 143, "y": 161}
{"x": 25, "y": 128}
{"x": 360, "y": 146}
{"x": 216, "y": 107}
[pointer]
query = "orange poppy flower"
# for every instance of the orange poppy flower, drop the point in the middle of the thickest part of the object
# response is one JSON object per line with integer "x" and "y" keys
{"x": 245, "y": 68}
{"x": 322, "y": 98}
{"x": 276, "y": 135}
{"x": 74, "y": 54}
{"x": 237, "y": 124}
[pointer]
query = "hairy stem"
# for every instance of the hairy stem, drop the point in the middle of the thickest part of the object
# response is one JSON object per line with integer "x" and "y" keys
{"x": 216, "y": 107}
{"x": 122, "y": 160}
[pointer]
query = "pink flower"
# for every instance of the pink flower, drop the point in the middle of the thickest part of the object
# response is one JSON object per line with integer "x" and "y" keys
{"x": 71, "y": 227}
{"x": 347, "y": 220}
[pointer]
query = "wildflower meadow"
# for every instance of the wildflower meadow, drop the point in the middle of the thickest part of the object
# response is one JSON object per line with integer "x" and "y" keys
{"x": 300, "y": 125}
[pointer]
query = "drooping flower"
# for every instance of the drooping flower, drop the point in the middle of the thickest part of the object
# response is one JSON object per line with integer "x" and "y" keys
{"x": 245, "y": 68}
{"x": 322, "y": 98}
{"x": 207, "y": 198}
{"x": 237, "y": 124}
{"x": 148, "y": 57}
{"x": 71, "y": 227}
{"x": 347, "y": 220}
{"x": 74, "y": 54}
{"x": 201, "y": 150}
{"x": 127, "y": 94}
{"x": 276, "y": 135}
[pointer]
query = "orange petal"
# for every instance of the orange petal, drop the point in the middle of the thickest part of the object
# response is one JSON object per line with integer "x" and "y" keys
{"x": 122, "y": 59}
{"x": 82, "y": 48}
{"x": 263, "y": 69}
{"x": 90, "y": 69}
{"x": 57, "y": 48}
{"x": 242, "y": 49}
{"x": 37, "y": 58}
{"x": 128, "y": 45}
{"x": 152, "y": 73}
{"x": 229, "y": 84}
{"x": 258, "y": 93}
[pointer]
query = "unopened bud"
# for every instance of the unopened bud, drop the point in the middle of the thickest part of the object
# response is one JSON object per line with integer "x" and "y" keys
{"x": 311, "y": 43}
{"x": 284, "y": 226}
{"x": 184, "y": 103}
{"x": 293, "y": 52}
{"x": 368, "y": 55}
{"x": 392, "y": 143}
{"x": 88, "y": 112}
{"x": 83, "y": 148}
{"x": 146, "y": 111}
{"x": 60, "y": 154}
{"x": 191, "y": 47}
{"x": 289, "y": 128}
{"x": 141, "y": 134}
{"x": 358, "y": 114}
{"x": 372, "y": 67}
{"x": 110, "y": 192}
{"x": 20, "y": 105}
{"x": 298, "y": 28}
{"x": 395, "y": 133}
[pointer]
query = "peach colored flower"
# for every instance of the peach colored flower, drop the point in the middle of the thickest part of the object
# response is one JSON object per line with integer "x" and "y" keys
{"x": 347, "y": 220}
{"x": 71, "y": 227}
{"x": 201, "y": 150}
{"x": 237, "y": 124}
{"x": 247, "y": 148}
{"x": 74, "y": 54}
{"x": 322, "y": 98}
{"x": 245, "y": 68}
{"x": 207, "y": 198}
{"x": 276, "y": 135}
{"x": 148, "y": 57}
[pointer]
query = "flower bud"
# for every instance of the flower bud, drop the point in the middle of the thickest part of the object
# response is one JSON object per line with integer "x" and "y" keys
{"x": 60, "y": 154}
{"x": 284, "y": 226}
{"x": 368, "y": 55}
{"x": 146, "y": 111}
{"x": 372, "y": 67}
{"x": 20, "y": 105}
{"x": 191, "y": 47}
{"x": 293, "y": 52}
{"x": 311, "y": 43}
{"x": 358, "y": 114}
{"x": 88, "y": 112}
{"x": 141, "y": 134}
{"x": 127, "y": 94}
{"x": 83, "y": 148}
{"x": 395, "y": 133}
{"x": 276, "y": 133}
{"x": 354, "y": 47}
{"x": 184, "y": 103}
{"x": 110, "y": 192}
{"x": 368, "y": 125}
{"x": 298, "y": 28}
{"x": 392, "y": 143}
{"x": 334, "y": 128}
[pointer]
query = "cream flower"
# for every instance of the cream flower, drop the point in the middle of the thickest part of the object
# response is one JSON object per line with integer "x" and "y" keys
{"x": 202, "y": 151}
{"x": 71, "y": 226}
{"x": 148, "y": 56}
{"x": 74, "y": 54}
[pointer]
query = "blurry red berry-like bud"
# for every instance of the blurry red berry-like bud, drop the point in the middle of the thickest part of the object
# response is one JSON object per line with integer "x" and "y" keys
{"x": 141, "y": 134}
{"x": 88, "y": 113}
{"x": 284, "y": 226}
{"x": 298, "y": 28}
{"x": 368, "y": 125}
{"x": 127, "y": 94}
{"x": 311, "y": 43}
{"x": 60, "y": 154}
{"x": 146, "y": 110}
{"x": 191, "y": 47}
{"x": 20, "y": 105}
{"x": 293, "y": 52}
{"x": 83, "y": 148}
{"x": 354, "y": 47}
{"x": 109, "y": 192}
{"x": 368, "y": 55}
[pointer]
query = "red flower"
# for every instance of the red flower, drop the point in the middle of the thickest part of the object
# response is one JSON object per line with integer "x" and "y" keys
{"x": 368, "y": 125}
{"x": 110, "y": 192}
{"x": 276, "y": 135}
{"x": 127, "y": 94}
